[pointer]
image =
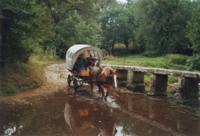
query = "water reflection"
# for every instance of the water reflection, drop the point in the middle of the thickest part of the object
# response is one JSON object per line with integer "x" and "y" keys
{"x": 158, "y": 115}
{"x": 84, "y": 115}
{"x": 87, "y": 119}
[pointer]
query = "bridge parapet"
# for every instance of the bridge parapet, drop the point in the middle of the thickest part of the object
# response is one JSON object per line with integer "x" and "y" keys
{"x": 188, "y": 84}
{"x": 160, "y": 71}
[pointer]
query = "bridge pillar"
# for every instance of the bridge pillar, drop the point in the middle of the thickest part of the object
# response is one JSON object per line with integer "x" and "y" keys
{"x": 159, "y": 85}
{"x": 138, "y": 81}
{"x": 189, "y": 88}
{"x": 129, "y": 79}
{"x": 122, "y": 75}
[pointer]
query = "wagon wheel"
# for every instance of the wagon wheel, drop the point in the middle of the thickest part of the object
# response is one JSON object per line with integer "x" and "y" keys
{"x": 69, "y": 80}
{"x": 75, "y": 83}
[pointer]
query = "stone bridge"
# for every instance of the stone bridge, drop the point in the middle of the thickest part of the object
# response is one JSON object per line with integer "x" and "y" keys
{"x": 188, "y": 81}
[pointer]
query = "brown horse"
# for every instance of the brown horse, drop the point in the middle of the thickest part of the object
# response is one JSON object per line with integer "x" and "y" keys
{"x": 103, "y": 78}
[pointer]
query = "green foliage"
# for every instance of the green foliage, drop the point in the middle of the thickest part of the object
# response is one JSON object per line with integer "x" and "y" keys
{"x": 155, "y": 27}
{"x": 177, "y": 59}
{"x": 74, "y": 30}
{"x": 172, "y": 79}
{"x": 25, "y": 27}
{"x": 193, "y": 34}
{"x": 161, "y": 25}
{"x": 118, "y": 25}
{"x": 194, "y": 62}
{"x": 73, "y": 22}
{"x": 21, "y": 76}
{"x": 52, "y": 25}
{"x": 8, "y": 90}
{"x": 167, "y": 61}
{"x": 194, "y": 28}
{"x": 16, "y": 26}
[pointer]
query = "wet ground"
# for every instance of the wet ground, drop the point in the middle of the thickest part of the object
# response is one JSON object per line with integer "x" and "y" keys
{"x": 123, "y": 114}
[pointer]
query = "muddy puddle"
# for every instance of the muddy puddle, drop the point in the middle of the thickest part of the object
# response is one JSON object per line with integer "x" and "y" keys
{"x": 123, "y": 114}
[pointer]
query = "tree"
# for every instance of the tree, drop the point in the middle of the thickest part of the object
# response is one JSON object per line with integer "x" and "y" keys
{"x": 193, "y": 28}
{"x": 161, "y": 25}
{"x": 117, "y": 25}
{"x": 73, "y": 22}
{"x": 75, "y": 30}
{"x": 17, "y": 26}
{"x": 193, "y": 34}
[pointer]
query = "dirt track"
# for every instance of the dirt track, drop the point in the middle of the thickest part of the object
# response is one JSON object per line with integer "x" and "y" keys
{"x": 56, "y": 74}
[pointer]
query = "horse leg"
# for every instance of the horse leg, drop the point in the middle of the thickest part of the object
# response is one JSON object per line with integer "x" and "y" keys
{"x": 104, "y": 93}
{"x": 107, "y": 93}
{"x": 99, "y": 88}
{"x": 91, "y": 87}
{"x": 101, "y": 91}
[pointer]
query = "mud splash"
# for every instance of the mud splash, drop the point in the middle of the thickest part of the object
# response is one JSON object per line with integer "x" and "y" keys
{"x": 86, "y": 115}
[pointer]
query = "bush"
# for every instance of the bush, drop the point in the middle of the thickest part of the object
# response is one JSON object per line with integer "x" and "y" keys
{"x": 172, "y": 79}
{"x": 150, "y": 54}
{"x": 194, "y": 62}
{"x": 177, "y": 59}
{"x": 8, "y": 90}
{"x": 18, "y": 77}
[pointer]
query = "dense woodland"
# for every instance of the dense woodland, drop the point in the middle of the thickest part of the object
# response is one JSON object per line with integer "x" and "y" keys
{"x": 149, "y": 27}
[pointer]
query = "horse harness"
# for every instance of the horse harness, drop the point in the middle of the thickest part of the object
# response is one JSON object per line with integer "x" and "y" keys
{"x": 97, "y": 75}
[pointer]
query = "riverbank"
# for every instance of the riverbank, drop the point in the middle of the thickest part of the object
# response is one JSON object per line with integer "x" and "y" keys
{"x": 24, "y": 77}
{"x": 22, "y": 97}
{"x": 170, "y": 61}
{"x": 55, "y": 81}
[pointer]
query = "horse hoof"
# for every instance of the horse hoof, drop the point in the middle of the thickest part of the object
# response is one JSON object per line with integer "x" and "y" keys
{"x": 104, "y": 99}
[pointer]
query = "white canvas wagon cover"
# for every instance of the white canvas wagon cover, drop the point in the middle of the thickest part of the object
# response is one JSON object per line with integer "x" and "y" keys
{"x": 74, "y": 51}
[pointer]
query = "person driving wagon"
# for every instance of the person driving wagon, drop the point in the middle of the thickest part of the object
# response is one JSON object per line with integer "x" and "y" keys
{"x": 82, "y": 64}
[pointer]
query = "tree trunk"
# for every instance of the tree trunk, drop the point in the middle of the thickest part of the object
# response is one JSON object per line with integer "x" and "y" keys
{"x": 3, "y": 39}
{"x": 54, "y": 17}
{"x": 112, "y": 47}
{"x": 126, "y": 44}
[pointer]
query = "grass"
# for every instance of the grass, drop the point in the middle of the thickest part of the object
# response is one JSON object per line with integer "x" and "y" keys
{"x": 42, "y": 60}
{"x": 171, "y": 61}
{"x": 9, "y": 90}
{"x": 19, "y": 77}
